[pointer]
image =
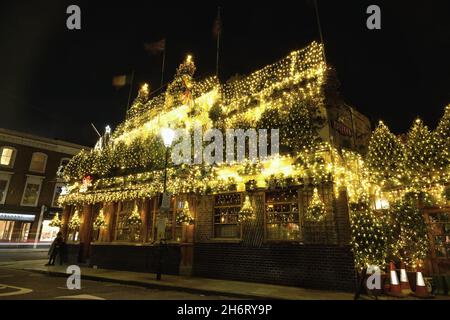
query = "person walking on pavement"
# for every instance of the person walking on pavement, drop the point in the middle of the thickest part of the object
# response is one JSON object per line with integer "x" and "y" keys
{"x": 56, "y": 249}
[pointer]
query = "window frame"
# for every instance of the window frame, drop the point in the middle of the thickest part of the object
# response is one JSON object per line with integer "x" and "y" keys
{"x": 44, "y": 165}
{"x": 60, "y": 184}
{"x": 295, "y": 201}
{"x": 120, "y": 222}
{"x": 238, "y": 225}
{"x": 60, "y": 168}
{"x": 13, "y": 157}
{"x": 32, "y": 180}
{"x": 7, "y": 176}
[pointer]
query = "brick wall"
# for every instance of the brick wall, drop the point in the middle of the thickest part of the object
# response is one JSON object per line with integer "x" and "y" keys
{"x": 135, "y": 258}
{"x": 327, "y": 267}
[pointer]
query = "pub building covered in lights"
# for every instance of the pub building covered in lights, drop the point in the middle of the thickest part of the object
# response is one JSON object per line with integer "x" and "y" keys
{"x": 284, "y": 220}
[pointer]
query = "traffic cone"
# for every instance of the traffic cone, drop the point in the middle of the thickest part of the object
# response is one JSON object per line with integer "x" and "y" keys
{"x": 421, "y": 288}
{"x": 394, "y": 289}
{"x": 404, "y": 282}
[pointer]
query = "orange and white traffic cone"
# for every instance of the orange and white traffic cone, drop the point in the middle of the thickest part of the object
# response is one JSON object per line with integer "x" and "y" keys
{"x": 421, "y": 288}
{"x": 394, "y": 289}
{"x": 404, "y": 282}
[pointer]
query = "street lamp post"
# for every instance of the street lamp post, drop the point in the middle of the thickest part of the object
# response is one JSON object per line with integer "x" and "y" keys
{"x": 167, "y": 135}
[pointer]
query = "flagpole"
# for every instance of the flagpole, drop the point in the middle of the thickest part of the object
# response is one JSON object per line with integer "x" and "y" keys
{"x": 163, "y": 64}
{"x": 131, "y": 89}
{"x": 320, "y": 29}
{"x": 218, "y": 41}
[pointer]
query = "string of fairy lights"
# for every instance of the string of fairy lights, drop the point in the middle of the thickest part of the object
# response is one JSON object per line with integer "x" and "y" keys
{"x": 287, "y": 95}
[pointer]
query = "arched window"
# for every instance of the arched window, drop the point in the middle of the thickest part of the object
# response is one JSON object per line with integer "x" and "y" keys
{"x": 38, "y": 162}
{"x": 7, "y": 156}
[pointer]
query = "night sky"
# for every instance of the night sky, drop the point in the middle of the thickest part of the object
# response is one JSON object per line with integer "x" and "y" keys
{"x": 54, "y": 82}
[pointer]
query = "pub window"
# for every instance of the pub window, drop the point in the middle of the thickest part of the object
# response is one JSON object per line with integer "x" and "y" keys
{"x": 32, "y": 191}
{"x": 282, "y": 215}
{"x": 440, "y": 234}
{"x": 7, "y": 156}
{"x": 226, "y": 212}
{"x": 178, "y": 208}
{"x": 38, "y": 162}
{"x": 173, "y": 229}
{"x": 125, "y": 232}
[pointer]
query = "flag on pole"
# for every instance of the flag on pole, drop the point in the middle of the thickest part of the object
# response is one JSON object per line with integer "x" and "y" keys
{"x": 155, "y": 47}
{"x": 121, "y": 80}
{"x": 217, "y": 28}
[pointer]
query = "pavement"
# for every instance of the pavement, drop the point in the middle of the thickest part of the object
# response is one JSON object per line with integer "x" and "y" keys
{"x": 8, "y": 255}
{"x": 193, "y": 285}
{"x": 182, "y": 284}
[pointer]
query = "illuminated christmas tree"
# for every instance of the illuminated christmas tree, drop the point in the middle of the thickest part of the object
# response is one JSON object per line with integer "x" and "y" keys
{"x": 247, "y": 213}
{"x": 316, "y": 211}
{"x": 368, "y": 239}
{"x": 410, "y": 235}
{"x": 442, "y": 138}
{"x": 134, "y": 220}
{"x": 385, "y": 157}
{"x": 56, "y": 222}
{"x": 75, "y": 221}
{"x": 100, "y": 221}
{"x": 420, "y": 156}
{"x": 185, "y": 217}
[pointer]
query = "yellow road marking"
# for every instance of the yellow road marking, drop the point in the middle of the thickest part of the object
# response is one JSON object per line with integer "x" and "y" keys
{"x": 14, "y": 293}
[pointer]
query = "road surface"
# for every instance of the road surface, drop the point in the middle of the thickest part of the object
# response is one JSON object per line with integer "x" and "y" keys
{"x": 25, "y": 285}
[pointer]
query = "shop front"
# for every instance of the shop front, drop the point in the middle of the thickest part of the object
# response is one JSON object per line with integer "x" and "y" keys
{"x": 15, "y": 227}
{"x": 276, "y": 245}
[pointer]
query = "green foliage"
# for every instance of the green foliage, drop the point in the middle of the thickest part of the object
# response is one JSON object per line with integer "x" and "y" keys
{"x": 295, "y": 124}
{"x": 420, "y": 155}
{"x": 385, "y": 157}
{"x": 368, "y": 235}
{"x": 410, "y": 234}
{"x": 138, "y": 156}
{"x": 442, "y": 143}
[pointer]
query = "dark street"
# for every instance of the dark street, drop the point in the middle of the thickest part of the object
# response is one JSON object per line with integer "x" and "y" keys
{"x": 11, "y": 255}
{"x": 20, "y": 284}
{"x": 17, "y": 284}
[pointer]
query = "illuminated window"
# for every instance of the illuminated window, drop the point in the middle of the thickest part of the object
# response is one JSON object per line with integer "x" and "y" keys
{"x": 381, "y": 204}
{"x": 63, "y": 163}
{"x": 124, "y": 231}
{"x": 282, "y": 215}
{"x": 226, "y": 212}
{"x": 32, "y": 191}
{"x": 7, "y": 156}
{"x": 58, "y": 189}
{"x": 38, "y": 162}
